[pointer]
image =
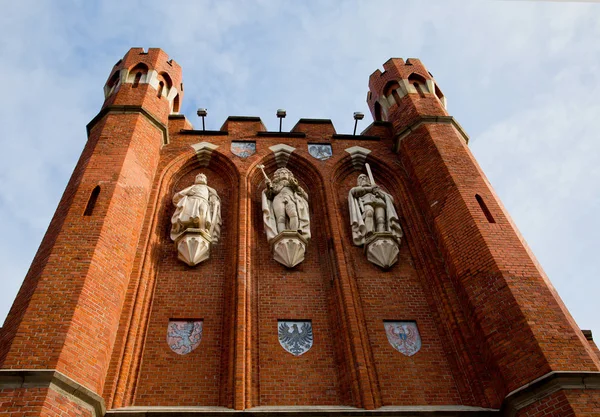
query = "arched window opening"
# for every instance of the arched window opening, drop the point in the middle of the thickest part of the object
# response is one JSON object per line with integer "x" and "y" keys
{"x": 113, "y": 82}
{"x": 486, "y": 211}
{"x": 419, "y": 89}
{"x": 419, "y": 82}
{"x": 378, "y": 112}
{"x": 176, "y": 104}
{"x": 89, "y": 209}
{"x": 137, "y": 75}
{"x": 161, "y": 85}
{"x": 136, "y": 80}
{"x": 391, "y": 88}
{"x": 438, "y": 92}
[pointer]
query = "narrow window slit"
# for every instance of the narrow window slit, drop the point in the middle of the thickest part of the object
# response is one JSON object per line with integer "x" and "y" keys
{"x": 137, "y": 79}
{"x": 486, "y": 211}
{"x": 419, "y": 89}
{"x": 89, "y": 209}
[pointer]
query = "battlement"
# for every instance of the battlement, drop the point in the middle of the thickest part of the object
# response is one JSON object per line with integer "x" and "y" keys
{"x": 395, "y": 69}
{"x": 152, "y": 67}
{"x": 398, "y": 79}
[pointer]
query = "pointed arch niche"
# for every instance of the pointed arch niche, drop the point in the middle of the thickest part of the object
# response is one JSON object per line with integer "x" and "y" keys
{"x": 305, "y": 292}
{"x": 398, "y": 294}
{"x": 176, "y": 291}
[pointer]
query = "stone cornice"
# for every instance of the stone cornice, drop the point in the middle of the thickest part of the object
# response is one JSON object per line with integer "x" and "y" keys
{"x": 52, "y": 379}
{"x": 429, "y": 120}
{"x": 130, "y": 109}
{"x": 312, "y": 411}
{"x": 547, "y": 385}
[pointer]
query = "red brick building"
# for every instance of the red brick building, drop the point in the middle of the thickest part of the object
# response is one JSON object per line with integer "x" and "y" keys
{"x": 480, "y": 331}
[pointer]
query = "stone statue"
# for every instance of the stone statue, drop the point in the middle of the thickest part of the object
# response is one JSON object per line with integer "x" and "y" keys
{"x": 285, "y": 205}
{"x": 374, "y": 221}
{"x": 371, "y": 210}
{"x": 286, "y": 217}
{"x": 196, "y": 223}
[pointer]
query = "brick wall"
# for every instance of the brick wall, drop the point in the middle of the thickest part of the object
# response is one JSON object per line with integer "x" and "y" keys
{"x": 101, "y": 291}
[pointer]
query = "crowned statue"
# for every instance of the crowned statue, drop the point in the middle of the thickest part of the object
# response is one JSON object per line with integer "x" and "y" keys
{"x": 374, "y": 221}
{"x": 286, "y": 216}
{"x": 196, "y": 223}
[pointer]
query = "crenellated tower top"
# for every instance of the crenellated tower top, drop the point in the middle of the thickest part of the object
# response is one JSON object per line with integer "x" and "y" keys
{"x": 404, "y": 86}
{"x": 143, "y": 76}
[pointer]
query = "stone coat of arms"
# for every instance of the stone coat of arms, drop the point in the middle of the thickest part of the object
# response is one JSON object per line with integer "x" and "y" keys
{"x": 183, "y": 336}
{"x": 403, "y": 336}
{"x": 295, "y": 336}
{"x": 243, "y": 149}
{"x": 320, "y": 151}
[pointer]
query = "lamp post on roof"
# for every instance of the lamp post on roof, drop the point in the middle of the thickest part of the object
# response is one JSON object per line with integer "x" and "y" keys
{"x": 202, "y": 113}
{"x": 357, "y": 116}
{"x": 281, "y": 114}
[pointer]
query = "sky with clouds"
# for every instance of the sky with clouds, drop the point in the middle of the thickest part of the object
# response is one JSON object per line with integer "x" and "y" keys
{"x": 521, "y": 77}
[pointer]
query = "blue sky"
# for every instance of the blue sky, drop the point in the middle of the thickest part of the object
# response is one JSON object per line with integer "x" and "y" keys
{"x": 522, "y": 78}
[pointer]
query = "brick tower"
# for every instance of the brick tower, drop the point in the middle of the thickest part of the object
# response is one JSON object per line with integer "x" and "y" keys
{"x": 408, "y": 291}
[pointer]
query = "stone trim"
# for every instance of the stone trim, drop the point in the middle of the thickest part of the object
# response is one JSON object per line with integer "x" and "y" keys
{"x": 204, "y": 152}
{"x": 547, "y": 385}
{"x": 313, "y": 411}
{"x": 429, "y": 120}
{"x": 282, "y": 153}
{"x": 130, "y": 109}
{"x": 282, "y": 134}
{"x": 358, "y": 155}
{"x": 344, "y": 136}
{"x": 56, "y": 381}
{"x": 204, "y": 132}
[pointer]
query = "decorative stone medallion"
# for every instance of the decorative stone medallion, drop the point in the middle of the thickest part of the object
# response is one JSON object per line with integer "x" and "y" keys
{"x": 243, "y": 149}
{"x": 295, "y": 337}
{"x": 183, "y": 336}
{"x": 403, "y": 336}
{"x": 320, "y": 151}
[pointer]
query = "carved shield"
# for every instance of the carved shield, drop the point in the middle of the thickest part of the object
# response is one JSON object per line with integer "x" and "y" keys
{"x": 320, "y": 151}
{"x": 295, "y": 336}
{"x": 243, "y": 149}
{"x": 183, "y": 336}
{"x": 403, "y": 336}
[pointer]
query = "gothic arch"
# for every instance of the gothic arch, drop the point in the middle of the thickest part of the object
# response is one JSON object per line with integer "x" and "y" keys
{"x": 313, "y": 296}
{"x": 140, "y": 330}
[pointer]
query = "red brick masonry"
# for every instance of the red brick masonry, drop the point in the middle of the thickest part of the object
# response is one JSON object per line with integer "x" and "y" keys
{"x": 95, "y": 305}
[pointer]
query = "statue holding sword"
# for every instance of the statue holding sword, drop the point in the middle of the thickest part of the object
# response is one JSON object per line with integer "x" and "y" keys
{"x": 371, "y": 210}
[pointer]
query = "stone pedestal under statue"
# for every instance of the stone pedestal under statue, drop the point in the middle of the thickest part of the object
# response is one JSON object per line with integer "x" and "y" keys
{"x": 288, "y": 248}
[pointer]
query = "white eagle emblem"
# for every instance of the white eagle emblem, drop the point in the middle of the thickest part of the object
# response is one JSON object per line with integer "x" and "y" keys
{"x": 295, "y": 336}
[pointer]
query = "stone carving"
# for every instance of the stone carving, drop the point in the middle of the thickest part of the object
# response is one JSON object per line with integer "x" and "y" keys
{"x": 403, "y": 336}
{"x": 374, "y": 221}
{"x": 320, "y": 151}
{"x": 243, "y": 149}
{"x": 196, "y": 223}
{"x": 295, "y": 337}
{"x": 183, "y": 336}
{"x": 286, "y": 217}
{"x": 204, "y": 151}
{"x": 282, "y": 153}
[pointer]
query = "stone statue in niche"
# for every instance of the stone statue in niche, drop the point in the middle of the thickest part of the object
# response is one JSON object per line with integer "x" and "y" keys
{"x": 286, "y": 217}
{"x": 374, "y": 221}
{"x": 196, "y": 223}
